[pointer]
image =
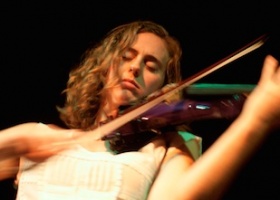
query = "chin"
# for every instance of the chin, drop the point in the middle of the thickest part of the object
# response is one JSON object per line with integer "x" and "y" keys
{"x": 125, "y": 98}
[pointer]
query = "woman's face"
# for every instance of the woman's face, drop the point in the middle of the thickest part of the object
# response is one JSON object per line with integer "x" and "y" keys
{"x": 141, "y": 71}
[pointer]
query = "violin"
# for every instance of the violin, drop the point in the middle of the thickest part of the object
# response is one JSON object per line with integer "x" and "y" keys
{"x": 226, "y": 106}
{"x": 140, "y": 123}
{"x": 202, "y": 103}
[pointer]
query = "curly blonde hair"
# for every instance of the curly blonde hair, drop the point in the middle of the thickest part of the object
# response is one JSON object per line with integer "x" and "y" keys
{"x": 87, "y": 82}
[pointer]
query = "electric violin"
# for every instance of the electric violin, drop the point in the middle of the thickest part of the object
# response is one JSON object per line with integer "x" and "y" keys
{"x": 152, "y": 115}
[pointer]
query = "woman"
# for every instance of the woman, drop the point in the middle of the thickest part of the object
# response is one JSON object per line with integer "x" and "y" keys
{"x": 133, "y": 61}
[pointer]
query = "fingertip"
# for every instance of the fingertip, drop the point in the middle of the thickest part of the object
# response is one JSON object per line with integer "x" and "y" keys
{"x": 268, "y": 69}
{"x": 271, "y": 58}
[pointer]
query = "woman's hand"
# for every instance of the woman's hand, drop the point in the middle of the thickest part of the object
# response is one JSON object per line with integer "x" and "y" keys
{"x": 263, "y": 104}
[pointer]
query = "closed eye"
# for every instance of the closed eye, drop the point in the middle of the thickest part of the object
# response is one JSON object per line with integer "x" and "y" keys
{"x": 152, "y": 64}
{"x": 152, "y": 67}
{"x": 129, "y": 55}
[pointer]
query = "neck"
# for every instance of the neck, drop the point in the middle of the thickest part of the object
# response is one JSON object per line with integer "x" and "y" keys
{"x": 106, "y": 113}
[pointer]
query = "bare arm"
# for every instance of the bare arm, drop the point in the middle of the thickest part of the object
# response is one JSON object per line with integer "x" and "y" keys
{"x": 12, "y": 146}
{"x": 33, "y": 140}
{"x": 177, "y": 160}
{"x": 13, "y": 140}
{"x": 208, "y": 178}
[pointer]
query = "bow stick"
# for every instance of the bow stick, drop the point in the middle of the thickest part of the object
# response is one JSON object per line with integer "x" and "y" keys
{"x": 135, "y": 111}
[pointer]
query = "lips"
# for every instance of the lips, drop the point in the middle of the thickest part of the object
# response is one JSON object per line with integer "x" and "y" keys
{"x": 129, "y": 84}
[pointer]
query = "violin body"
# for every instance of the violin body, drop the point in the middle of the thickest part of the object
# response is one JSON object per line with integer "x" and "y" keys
{"x": 164, "y": 116}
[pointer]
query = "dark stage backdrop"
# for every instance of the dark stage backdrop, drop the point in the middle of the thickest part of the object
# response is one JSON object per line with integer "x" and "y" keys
{"x": 42, "y": 41}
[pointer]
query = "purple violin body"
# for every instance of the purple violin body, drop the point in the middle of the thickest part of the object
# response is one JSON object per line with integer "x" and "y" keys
{"x": 184, "y": 111}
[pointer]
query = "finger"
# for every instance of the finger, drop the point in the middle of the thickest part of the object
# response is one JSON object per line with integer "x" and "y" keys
{"x": 269, "y": 68}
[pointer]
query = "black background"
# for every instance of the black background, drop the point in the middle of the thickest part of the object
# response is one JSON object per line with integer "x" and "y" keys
{"x": 42, "y": 41}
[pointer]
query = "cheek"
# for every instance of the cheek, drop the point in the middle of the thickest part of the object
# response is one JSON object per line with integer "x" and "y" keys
{"x": 154, "y": 83}
{"x": 121, "y": 69}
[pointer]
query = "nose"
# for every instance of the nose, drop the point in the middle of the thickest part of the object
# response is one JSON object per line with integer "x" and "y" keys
{"x": 135, "y": 70}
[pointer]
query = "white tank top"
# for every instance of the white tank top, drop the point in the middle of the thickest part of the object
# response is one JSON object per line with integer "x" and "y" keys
{"x": 78, "y": 174}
